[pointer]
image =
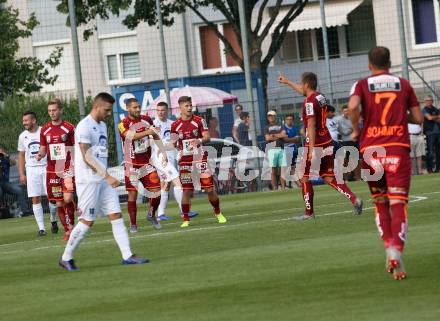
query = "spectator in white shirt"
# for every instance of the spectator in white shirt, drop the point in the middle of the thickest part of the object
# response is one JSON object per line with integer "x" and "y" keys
{"x": 417, "y": 147}
{"x": 238, "y": 110}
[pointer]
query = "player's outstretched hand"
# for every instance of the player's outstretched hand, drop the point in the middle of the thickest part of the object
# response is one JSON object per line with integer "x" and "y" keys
{"x": 114, "y": 182}
{"x": 282, "y": 79}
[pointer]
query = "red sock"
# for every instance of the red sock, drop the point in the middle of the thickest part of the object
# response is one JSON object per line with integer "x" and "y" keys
{"x": 132, "y": 211}
{"x": 185, "y": 211}
{"x": 307, "y": 190}
{"x": 154, "y": 205}
{"x": 399, "y": 225}
{"x": 216, "y": 205}
{"x": 62, "y": 215}
{"x": 383, "y": 222}
{"x": 69, "y": 208}
{"x": 344, "y": 190}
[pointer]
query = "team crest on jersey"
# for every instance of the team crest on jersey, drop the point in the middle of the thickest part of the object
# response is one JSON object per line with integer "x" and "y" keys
{"x": 48, "y": 138}
{"x": 63, "y": 137}
{"x": 309, "y": 109}
{"x": 195, "y": 131}
{"x": 180, "y": 135}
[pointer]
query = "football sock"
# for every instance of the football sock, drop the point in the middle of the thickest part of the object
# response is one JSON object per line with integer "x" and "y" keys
{"x": 344, "y": 190}
{"x": 215, "y": 204}
{"x": 132, "y": 211}
{"x": 307, "y": 191}
{"x": 399, "y": 225}
{"x": 178, "y": 194}
{"x": 185, "y": 211}
{"x": 154, "y": 205}
{"x": 69, "y": 208}
{"x": 62, "y": 215}
{"x": 121, "y": 237}
{"x": 39, "y": 216}
{"x": 76, "y": 236}
{"x": 53, "y": 212}
{"x": 163, "y": 202}
{"x": 383, "y": 222}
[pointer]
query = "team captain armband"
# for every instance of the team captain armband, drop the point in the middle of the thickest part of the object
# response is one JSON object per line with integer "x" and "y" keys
{"x": 122, "y": 128}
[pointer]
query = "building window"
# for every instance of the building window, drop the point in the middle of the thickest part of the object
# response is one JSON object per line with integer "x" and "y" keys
{"x": 424, "y": 21}
{"x": 333, "y": 43}
{"x": 213, "y": 54}
{"x": 123, "y": 67}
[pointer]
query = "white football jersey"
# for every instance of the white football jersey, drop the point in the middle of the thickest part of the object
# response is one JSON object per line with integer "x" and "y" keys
{"x": 29, "y": 143}
{"x": 90, "y": 132}
{"x": 165, "y": 129}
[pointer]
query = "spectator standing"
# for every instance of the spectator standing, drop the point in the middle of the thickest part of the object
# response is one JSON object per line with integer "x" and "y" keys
{"x": 244, "y": 137}
{"x": 238, "y": 110}
{"x": 417, "y": 147}
{"x": 6, "y": 187}
{"x": 332, "y": 125}
{"x": 212, "y": 128}
{"x": 290, "y": 142}
{"x": 431, "y": 128}
{"x": 275, "y": 133}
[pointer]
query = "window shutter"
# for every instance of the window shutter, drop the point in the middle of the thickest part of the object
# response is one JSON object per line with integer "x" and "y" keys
{"x": 112, "y": 66}
{"x": 130, "y": 65}
{"x": 210, "y": 45}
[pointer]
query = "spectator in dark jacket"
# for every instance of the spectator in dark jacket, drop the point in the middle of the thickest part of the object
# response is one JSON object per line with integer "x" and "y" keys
{"x": 6, "y": 186}
{"x": 431, "y": 128}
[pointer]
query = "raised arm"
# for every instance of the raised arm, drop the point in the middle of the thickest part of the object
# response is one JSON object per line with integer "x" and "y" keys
{"x": 297, "y": 87}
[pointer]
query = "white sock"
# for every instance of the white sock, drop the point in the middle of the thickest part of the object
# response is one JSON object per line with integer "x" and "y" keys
{"x": 121, "y": 237}
{"x": 53, "y": 212}
{"x": 178, "y": 194}
{"x": 39, "y": 215}
{"x": 76, "y": 236}
{"x": 163, "y": 202}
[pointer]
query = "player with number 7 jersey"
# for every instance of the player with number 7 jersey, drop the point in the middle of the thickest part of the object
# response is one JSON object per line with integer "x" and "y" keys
{"x": 388, "y": 104}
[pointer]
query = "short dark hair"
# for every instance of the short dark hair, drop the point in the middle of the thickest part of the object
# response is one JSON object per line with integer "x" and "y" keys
{"x": 130, "y": 101}
{"x": 344, "y": 107}
{"x": 290, "y": 115}
{"x": 239, "y": 106}
{"x": 244, "y": 115}
{"x": 55, "y": 101}
{"x": 162, "y": 103}
{"x": 331, "y": 109}
{"x": 30, "y": 113}
{"x": 103, "y": 96}
{"x": 379, "y": 57}
{"x": 310, "y": 79}
{"x": 184, "y": 99}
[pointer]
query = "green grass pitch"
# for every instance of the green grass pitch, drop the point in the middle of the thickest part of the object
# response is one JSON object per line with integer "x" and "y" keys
{"x": 259, "y": 266}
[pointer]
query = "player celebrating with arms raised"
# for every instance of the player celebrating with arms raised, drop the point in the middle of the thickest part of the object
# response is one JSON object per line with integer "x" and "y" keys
{"x": 386, "y": 100}
{"x": 189, "y": 132}
{"x": 57, "y": 138}
{"x": 94, "y": 186}
{"x": 317, "y": 135}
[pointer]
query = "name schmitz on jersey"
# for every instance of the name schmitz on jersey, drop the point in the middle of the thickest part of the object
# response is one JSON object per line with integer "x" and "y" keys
{"x": 384, "y": 83}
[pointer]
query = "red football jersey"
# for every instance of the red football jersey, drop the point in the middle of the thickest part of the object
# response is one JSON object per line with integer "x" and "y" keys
{"x": 59, "y": 141}
{"x": 385, "y": 100}
{"x": 187, "y": 131}
{"x": 139, "y": 150}
{"x": 316, "y": 106}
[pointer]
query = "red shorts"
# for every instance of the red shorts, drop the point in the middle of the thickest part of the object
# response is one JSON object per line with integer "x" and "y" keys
{"x": 396, "y": 179}
{"x": 326, "y": 166}
{"x": 195, "y": 173}
{"x": 146, "y": 174}
{"x": 57, "y": 184}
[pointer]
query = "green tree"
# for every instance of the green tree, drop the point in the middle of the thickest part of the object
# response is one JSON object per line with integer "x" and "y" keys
{"x": 145, "y": 10}
{"x": 19, "y": 75}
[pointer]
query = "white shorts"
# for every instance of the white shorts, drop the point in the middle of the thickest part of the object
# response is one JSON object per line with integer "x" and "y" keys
{"x": 417, "y": 145}
{"x": 96, "y": 198}
{"x": 36, "y": 181}
{"x": 166, "y": 173}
